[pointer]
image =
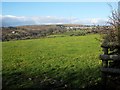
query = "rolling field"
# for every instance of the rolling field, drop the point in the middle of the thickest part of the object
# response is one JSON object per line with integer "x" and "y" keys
{"x": 54, "y": 63}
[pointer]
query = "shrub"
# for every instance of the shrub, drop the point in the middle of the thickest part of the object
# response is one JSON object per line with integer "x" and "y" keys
{"x": 113, "y": 35}
{"x": 78, "y": 34}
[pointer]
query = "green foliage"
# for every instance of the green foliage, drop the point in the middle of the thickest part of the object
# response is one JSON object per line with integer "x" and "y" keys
{"x": 75, "y": 33}
{"x": 61, "y": 62}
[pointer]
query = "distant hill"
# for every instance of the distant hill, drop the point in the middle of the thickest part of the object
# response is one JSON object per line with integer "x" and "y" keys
{"x": 36, "y": 31}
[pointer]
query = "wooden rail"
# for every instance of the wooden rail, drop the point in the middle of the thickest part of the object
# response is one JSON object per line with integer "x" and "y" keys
{"x": 107, "y": 57}
{"x": 110, "y": 70}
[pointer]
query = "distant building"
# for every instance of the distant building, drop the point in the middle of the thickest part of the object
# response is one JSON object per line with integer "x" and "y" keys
{"x": 13, "y": 32}
{"x": 81, "y": 27}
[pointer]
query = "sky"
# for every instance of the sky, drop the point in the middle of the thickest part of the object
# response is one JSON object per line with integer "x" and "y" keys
{"x": 59, "y": 0}
{"x": 35, "y": 13}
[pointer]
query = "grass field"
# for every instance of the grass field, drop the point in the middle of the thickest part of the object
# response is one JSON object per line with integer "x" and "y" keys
{"x": 58, "y": 63}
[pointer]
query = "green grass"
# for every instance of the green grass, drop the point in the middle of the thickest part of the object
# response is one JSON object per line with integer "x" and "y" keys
{"x": 61, "y": 62}
{"x": 75, "y": 32}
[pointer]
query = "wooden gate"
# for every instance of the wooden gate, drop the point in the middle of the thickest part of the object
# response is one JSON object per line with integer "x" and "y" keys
{"x": 110, "y": 63}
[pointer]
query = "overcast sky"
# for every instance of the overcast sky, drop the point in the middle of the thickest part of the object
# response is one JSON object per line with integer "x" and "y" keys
{"x": 35, "y": 13}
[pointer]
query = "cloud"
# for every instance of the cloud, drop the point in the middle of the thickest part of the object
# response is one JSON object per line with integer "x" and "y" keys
{"x": 10, "y": 20}
{"x": 96, "y": 21}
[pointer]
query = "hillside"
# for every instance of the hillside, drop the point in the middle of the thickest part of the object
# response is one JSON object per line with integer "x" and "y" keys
{"x": 38, "y": 31}
{"x": 60, "y": 63}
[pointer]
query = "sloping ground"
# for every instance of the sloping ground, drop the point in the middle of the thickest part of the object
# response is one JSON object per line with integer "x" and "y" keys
{"x": 52, "y": 63}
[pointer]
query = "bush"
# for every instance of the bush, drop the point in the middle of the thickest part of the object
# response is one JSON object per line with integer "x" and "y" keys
{"x": 78, "y": 34}
{"x": 113, "y": 35}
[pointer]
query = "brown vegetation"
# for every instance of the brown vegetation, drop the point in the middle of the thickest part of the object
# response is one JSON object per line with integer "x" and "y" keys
{"x": 28, "y": 32}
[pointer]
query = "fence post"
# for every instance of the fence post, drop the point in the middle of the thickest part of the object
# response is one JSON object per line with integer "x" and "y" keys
{"x": 104, "y": 65}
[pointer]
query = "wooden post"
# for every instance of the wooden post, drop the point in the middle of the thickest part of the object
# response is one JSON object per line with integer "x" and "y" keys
{"x": 104, "y": 65}
{"x": 105, "y": 62}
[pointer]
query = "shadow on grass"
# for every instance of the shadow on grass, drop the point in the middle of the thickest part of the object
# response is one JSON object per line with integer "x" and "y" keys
{"x": 71, "y": 79}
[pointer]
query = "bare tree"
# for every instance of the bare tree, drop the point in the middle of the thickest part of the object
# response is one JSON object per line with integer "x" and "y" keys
{"x": 113, "y": 35}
